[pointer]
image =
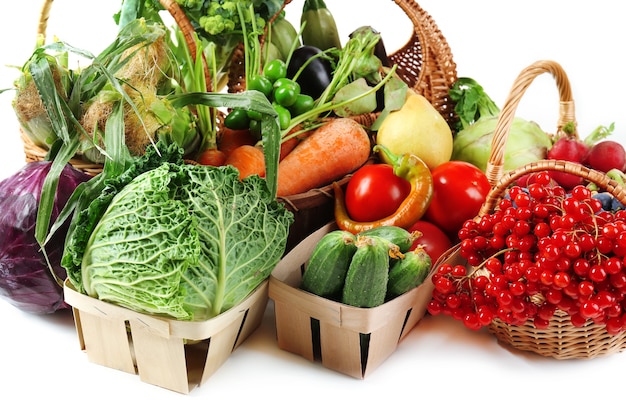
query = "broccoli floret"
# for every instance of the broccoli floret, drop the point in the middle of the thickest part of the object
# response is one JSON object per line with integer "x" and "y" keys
{"x": 220, "y": 17}
{"x": 231, "y": 6}
{"x": 191, "y": 4}
{"x": 216, "y": 24}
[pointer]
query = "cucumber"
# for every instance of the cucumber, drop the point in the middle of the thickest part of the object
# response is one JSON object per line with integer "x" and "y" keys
{"x": 366, "y": 280}
{"x": 284, "y": 36}
{"x": 408, "y": 272}
{"x": 397, "y": 235}
{"x": 327, "y": 267}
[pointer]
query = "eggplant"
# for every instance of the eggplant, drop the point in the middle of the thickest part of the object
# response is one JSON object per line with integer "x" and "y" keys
{"x": 316, "y": 75}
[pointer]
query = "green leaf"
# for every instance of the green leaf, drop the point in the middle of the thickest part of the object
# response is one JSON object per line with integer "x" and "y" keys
{"x": 249, "y": 100}
{"x": 57, "y": 109}
{"x": 113, "y": 167}
{"x": 471, "y": 102}
{"x": 49, "y": 188}
{"x": 366, "y": 104}
{"x": 395, "y": 95}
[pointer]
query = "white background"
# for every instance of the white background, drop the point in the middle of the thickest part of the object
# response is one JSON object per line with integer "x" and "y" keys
{"x": 440, "y": 368}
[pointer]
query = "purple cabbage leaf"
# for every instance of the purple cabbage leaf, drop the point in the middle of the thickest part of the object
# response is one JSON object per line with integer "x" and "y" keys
{"x": 27, "y": 280}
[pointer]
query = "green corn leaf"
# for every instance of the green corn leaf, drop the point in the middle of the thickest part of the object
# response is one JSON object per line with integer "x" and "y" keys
{"x": 249, "y": 100}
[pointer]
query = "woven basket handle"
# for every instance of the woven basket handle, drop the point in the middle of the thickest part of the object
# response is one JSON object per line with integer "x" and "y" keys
{"x": 171, "y": 6}
{"x": 499, "y": 180}
{"x": 495, "y": 164}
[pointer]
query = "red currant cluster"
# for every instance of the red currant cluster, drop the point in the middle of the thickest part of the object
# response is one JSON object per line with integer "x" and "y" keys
{"x": 541, "y": 249}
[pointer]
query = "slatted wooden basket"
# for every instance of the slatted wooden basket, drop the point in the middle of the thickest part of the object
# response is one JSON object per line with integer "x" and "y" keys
{"x": 172, "y": 354}
{"x": 351, "y": 340}
{"x": 561, "y": 340}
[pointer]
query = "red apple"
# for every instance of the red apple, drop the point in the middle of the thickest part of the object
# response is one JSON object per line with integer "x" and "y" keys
{"x": 606, "y": 155}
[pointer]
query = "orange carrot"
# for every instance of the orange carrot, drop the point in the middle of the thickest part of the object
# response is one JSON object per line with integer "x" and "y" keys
{"x": 337, "y": 148}
{"x": 231, "y": 139}
{"x": 248, "y": 159}
{"x": 287, "y": 146}
{"x": 211, "y": 156}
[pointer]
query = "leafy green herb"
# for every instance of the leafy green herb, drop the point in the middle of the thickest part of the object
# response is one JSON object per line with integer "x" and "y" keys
{"x": 596, "y": 135}
{"x": 471, "y": 102}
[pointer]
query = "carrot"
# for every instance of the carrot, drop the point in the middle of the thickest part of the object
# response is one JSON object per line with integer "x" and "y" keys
{"x": 335, "y": 149}
{"x": 287, "y": 146}
{"x": 211, "y": 156}
{"x": 231, "y": 139}
{"x": 248, "y": 159}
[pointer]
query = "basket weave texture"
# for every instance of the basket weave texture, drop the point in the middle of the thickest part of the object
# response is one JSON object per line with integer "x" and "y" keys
{"x": 425, "y": 63}
{"x": 561, "y": 340}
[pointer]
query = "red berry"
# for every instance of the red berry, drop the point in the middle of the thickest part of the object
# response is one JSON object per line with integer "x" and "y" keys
{"x": 590, "y": 309}
{"x": 544, "y": 241}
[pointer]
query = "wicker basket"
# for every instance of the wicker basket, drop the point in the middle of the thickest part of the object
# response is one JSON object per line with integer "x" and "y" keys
{"x": 561, "y": 340}
{"x": 425, "y": 63}
{"x": 34, "y": 152}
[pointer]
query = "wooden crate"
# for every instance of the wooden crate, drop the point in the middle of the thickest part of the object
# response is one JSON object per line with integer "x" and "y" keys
{"x": 177, "y": 355}
{"x": 350, "y": 340}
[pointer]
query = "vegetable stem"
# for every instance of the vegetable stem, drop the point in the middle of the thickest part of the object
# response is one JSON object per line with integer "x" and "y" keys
{"x": 329, "y": 106}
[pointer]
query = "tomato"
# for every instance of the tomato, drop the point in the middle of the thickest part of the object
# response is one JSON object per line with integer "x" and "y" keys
{"x": 460, "y": 189}
{"x": 275, "y": 69}
{"x": 375, "y": 192}
{"x": 303, "y": 104}
{"x": 284, "y": 116}
{"x": 260, "y": 83}
{"x": 434, "y": 240}
{"x": 237, "y": 119}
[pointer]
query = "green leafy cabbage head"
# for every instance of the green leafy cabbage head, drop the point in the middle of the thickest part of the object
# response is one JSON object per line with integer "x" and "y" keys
{"x": 185, "y": 241}
{"x": 526, "y": 143}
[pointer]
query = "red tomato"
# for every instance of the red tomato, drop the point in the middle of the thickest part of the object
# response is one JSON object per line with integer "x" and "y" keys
{"x": 434, "y": 240}
{"x": 459, "y": 190}
{"x": 375, "y": 192}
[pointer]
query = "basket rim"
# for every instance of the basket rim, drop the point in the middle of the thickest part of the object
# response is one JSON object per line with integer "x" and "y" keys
{"x": 506, "y": 116}
{"x": 501, "y": 180}
{"x": 561, "y": 340}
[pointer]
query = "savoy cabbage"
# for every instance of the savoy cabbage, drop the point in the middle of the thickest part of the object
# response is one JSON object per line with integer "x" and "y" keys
{"x": 184, "y": 241}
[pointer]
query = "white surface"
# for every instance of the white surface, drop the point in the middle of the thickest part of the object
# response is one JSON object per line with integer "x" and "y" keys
{"x": 440, "y": 368}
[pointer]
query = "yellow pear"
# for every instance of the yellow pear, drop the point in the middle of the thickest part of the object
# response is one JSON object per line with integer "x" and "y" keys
{"x": 417, "y": 128}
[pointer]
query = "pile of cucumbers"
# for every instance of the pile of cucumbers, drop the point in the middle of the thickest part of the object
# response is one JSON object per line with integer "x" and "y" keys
{"x": 366, "y": 269}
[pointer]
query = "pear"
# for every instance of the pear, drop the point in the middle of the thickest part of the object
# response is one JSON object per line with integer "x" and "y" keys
{"x": 417, "y": 128}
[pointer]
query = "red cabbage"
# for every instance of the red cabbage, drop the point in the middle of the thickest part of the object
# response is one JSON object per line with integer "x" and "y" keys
{"x": 25, "y": 278}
